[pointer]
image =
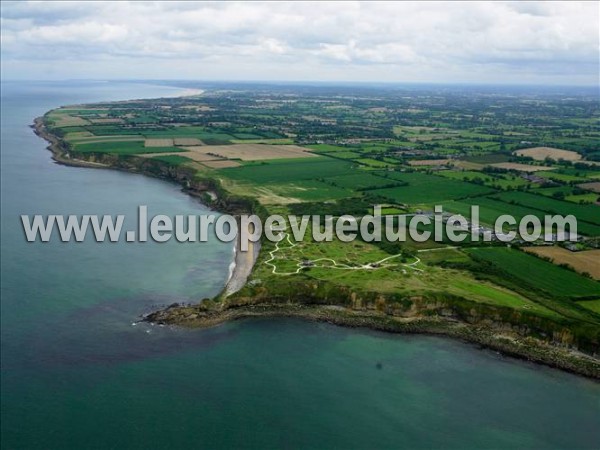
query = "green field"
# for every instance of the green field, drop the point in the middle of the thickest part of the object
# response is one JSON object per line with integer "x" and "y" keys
{"x": 373, "y": 163}
{"x": 495, "y": 296}
{"x": 490, "y": 210}
{"x": 108, "y": 130}
{"x": 325, "y": 148}
{"x": 590, "y": 197}
{"x": 344, "y": 264}
{"x": 123, "y": 148}
{"x": 588, "y": 213}
{"x": 305, "y": 169}
{"x": 569, "y": 195}
{"x": 592, "y": 305}
{"x": 344, "y": 155}
{"x": 427, "y": 189}
{"x": 158, "y": 132}
{"x": 495, "y": 181}
{"x": 537, "y": 273}
{"x": 308, "y": 190}
{"x": 174, "y": 160}
{"x": 361, "y": 181}
{"x": 206, "y": 135}
{"x": 551, "y": 175}
{"x": 490, "y": 158}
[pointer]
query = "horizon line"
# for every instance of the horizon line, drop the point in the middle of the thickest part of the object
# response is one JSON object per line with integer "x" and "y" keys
{"x": 314, "y": 82}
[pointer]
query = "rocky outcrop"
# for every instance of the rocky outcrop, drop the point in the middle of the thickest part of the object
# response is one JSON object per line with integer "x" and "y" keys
{"x": 501, "y": 337}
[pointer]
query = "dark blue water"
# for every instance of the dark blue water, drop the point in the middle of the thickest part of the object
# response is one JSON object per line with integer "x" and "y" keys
{"x": 76, "y": 372}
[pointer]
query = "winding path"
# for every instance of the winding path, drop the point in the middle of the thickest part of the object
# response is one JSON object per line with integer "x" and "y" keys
{"x": 301, "y": 265}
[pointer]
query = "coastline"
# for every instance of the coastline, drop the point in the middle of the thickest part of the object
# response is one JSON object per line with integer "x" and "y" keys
{"x": 190, "y": 93}
{"x": 242, "y": 262}
{"x": 502, "y": 341}
{"x": 202, "y": 316}
{"x": 241, "y": 266}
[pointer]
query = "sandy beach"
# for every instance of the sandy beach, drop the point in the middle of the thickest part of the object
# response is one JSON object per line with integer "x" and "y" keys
{"x": 242, "y": 265}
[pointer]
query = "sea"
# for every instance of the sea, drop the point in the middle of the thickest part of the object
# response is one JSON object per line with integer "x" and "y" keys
{"x": 79, "y": 372}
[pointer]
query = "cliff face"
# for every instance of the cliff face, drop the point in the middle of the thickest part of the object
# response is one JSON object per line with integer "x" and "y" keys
{"x": 187, "y": 177}
{"x": 429, "y": 305}
{"x": 518, "y": 335}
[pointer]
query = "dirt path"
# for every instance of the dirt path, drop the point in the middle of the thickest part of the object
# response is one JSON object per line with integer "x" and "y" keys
{"x": 369, "y": 266}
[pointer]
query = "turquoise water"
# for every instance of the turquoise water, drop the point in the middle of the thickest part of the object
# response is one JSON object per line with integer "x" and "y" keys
{"x": 77, "y": 374}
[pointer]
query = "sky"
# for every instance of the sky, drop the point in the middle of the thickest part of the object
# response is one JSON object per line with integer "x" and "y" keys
{"x": 473, "y": 42}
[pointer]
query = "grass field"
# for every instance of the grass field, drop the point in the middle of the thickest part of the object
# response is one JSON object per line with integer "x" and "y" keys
{"x": 174, "y": 160}
{"x": 344, "y": 155}
{"x": 442, "y": 254}
{"x": 122, "y": 148}
{"x": 588, "y": 213}
{"x": 583, "y": 261}
{"x": 203, "y": 134}
{"x": 362, "y": 180}
{"x": 490, "y": 210}
{"x": 345, "y": 264}
{"x": 280, "y": 141}
{"x": 88, "y": 138}
{"x": 592, "y": 305}
{"x": 563, "y": 177}
{"x": 590, "y": 197}
{"x": 307, "y": 190}
{"x": 110, "y": 130}
{"x": 537, "y": 273}
{"x": 494, "y": 181}
{"x": 426, "y": 189}
{"x": 374, "y": 163}
{"x": 486, "y": 293}
{"x": 326, "y": 148}
{"x": 280, "y": 172}
{"x": 488, "y": 158}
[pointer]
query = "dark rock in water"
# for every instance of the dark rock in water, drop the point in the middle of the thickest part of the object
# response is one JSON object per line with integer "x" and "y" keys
{"x": 173, "y": 305}
{"x": 379, "y": 366}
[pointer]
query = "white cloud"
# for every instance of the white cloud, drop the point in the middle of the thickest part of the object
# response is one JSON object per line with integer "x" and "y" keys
{"x": 555, "y": 42}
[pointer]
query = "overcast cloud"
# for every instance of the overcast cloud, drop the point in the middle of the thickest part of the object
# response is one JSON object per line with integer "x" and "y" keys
{"x": 549, "y": 43}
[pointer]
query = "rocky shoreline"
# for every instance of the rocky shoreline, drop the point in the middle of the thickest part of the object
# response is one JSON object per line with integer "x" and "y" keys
{"x": 503, "y": 341}
{"x": 202, "y": 316}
